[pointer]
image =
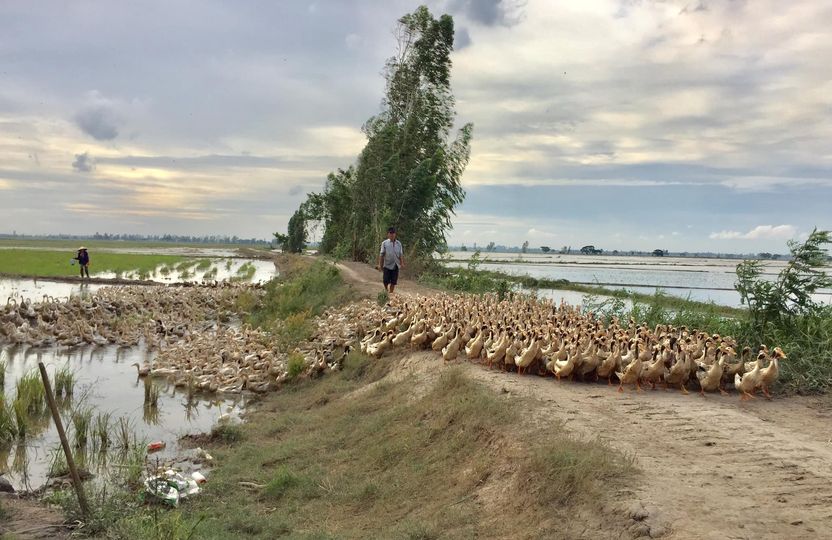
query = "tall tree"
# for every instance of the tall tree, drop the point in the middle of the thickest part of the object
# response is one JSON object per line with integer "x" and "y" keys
{"x": 297, "y": 232}
{"x": 408, "y": 174}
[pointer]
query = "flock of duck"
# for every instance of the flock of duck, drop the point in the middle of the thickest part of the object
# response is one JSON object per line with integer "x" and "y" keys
{"x": 237, "y": 359}
{"x": 201, "y": 345}
{"x": 122, "y": 315}
{"x": 535, "y": 336}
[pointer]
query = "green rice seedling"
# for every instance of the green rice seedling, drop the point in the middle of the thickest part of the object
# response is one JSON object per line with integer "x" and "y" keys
{"x": 228, "y": 264}
{"x": 203, "y": 264}
{"x": 64, "y": 382}
{"x": 31, "y": 394}
{"x": 21, "y": 418}
{"x": 184, "y": 266}
{"x": 164, "y": 270}
{"x": 57, "y": 462}
{"x": 81, "y": 423}
{"x": 102, "y": 430}
{"x": 8, "y": 428}
{"x": 124, "y": 432}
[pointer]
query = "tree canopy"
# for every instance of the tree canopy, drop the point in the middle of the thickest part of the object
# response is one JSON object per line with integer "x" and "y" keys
{"x": 408, "y": 174}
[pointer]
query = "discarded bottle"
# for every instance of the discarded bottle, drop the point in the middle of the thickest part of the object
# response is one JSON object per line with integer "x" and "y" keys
{"x": 155, "y": 446}
{"x": 198, "y": 477}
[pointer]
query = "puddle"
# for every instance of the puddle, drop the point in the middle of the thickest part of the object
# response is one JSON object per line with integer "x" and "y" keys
{"x": 107, "y": 381}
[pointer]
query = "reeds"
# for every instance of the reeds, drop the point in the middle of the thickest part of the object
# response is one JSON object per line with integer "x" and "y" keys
{"x": 31, "y": 394}
{"x": 21, "y": 418}
{"x": 102, "y": 430}
{"x": 8, "y": 426}
{"x": 81, "y": 423}
{"x": 124, "y": 430}
{"x": 2, "y": 374}
{"x": 64, "y": 382}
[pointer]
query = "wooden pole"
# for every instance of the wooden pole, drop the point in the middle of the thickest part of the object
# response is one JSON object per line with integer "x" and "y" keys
{"x": 76, "y": 480}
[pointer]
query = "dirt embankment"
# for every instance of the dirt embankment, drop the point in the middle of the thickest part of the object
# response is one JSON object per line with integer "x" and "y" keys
{"x": 712, "y": 467}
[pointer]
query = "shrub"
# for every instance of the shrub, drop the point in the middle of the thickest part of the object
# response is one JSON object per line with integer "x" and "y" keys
{"x": 295, "y": 365}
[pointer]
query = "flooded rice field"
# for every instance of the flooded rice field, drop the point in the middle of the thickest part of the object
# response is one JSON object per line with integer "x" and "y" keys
{"x": 106, "y": 381}
{"x": 708, "y": 280}
{"x": 98, "y": 337}
{"x": 203, "y": 269}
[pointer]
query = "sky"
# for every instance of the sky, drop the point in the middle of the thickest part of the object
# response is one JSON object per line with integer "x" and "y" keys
{"x": 682, "y": 125}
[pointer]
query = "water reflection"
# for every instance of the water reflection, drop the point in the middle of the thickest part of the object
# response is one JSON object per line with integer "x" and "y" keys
{"x": 107, "y": 382}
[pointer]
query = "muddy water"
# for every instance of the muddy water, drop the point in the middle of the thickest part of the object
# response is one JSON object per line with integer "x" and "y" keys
{"x": 108, "y": 382}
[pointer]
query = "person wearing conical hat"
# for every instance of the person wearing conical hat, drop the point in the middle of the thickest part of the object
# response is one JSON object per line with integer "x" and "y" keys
{"x": 83, "y": 259}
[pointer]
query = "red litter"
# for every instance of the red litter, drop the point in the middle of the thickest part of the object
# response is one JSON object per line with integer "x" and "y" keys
{"x": 155, "y": 446}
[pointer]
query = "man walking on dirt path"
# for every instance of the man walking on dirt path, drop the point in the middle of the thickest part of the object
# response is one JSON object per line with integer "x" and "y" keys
{"x": 390, "y": 259}
{"x": 83, "y": 259}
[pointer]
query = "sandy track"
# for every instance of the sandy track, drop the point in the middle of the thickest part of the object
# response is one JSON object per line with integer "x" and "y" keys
{"x": 713, "y": 467}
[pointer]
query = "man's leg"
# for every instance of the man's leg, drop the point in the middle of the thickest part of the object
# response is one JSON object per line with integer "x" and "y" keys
{"x": 394, "y": 279}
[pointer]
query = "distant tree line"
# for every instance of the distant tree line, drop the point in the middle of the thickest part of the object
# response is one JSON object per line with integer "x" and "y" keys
{"x": 173, "y": 238}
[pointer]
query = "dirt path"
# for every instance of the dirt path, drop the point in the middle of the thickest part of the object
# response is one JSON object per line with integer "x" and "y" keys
{"x": 28, "y": 519}
{"x": 713, "y": 467}
{"x": 367, "y": 280}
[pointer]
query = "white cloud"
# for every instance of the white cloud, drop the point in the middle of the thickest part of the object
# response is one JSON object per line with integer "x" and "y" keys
{"x": 759, "y": 232}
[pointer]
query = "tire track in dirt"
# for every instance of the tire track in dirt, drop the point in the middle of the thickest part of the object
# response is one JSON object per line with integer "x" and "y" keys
{"x": 713, "y": 468}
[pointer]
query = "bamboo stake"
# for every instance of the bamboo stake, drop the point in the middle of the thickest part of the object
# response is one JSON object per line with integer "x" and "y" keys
{"x": 76, "y": 480}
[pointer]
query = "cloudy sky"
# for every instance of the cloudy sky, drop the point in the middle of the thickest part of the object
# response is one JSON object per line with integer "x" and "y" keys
{"x": 686, "y": 125}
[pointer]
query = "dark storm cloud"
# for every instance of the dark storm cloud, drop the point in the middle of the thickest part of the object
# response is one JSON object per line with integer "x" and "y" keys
{"x": 83, "y": 163}
{"x": 98, "y": 122}
{"x": 487, "y": 12}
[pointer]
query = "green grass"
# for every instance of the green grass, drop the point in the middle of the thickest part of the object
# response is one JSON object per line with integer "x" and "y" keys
{"x": 389, "y": 464}
{"x": 309, "y": 291}
{"x": 43, "y": 263}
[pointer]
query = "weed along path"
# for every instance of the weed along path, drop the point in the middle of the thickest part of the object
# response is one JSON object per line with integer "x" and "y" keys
{"x": 711, "y": 467}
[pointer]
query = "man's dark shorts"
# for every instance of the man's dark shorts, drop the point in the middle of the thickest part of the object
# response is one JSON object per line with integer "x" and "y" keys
{"x": 391, "y": 277}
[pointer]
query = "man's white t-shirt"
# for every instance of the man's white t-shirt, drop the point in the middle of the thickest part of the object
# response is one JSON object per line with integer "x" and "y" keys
{"x": 392, "y": 253}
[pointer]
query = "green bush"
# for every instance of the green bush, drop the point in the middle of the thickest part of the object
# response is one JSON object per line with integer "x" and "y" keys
{"x": 295, "y": 365}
